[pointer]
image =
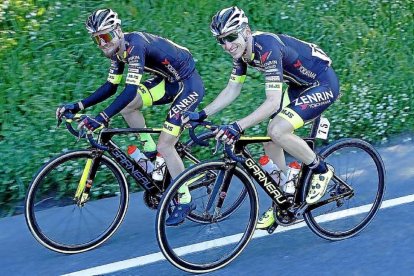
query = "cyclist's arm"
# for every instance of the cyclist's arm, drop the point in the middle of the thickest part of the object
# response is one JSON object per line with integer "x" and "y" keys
{"x": 102, "y": 93}
{"x": 266, "y": 109}
{"x": 226, "y": 97}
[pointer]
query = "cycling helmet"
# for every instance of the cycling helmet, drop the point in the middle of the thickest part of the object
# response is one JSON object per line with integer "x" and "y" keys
{"x": 228, "y": 20}
{"x": 101, "y": 20}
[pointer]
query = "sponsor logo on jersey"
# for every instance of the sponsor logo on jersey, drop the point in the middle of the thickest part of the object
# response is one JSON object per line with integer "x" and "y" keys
{"x": 303, "y": 70}
{"x": 129, "y": 49}
{"x": 168, "y": 127}
{"x": 287, "y": 113}
{"x": 273, "y": 86}
{"x": 133, "y": 78}
{"x": 171, "y": 69}
{"x": 314, "y": 100}
{"x": 183, "y": 105}
{"x": 133, "y": 59}
{"x": 258, "y": 46}
{"x": 270, "y": 63}
{"x": 273, "y": 78}
{"x": 265, "y": 56}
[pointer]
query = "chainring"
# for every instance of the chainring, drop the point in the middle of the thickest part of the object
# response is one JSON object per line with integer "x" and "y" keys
{"x": 151, "y": 200}
{"x": 283, "y": 217}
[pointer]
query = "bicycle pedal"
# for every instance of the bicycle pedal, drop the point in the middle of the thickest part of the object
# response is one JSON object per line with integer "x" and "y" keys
{"x": 272, "y": 228}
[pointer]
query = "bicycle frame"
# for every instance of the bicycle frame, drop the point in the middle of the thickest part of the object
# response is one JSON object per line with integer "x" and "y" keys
{"x": 263, "y": 178}
{"x": 143, "y": 179}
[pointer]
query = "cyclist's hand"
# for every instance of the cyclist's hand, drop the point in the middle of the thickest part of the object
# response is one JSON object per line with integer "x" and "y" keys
{"x": 194, "y": 116}
{"x": 93, "y": 124}
{"x": 229, "y": 134}
{"x": 71, "y": 107}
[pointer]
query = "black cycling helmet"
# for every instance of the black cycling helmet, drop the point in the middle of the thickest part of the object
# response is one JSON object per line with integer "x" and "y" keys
{"x": 101, "y": 20}
{"x": 228, "y": 20}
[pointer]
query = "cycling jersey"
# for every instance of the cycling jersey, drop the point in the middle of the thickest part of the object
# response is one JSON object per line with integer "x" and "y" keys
{"x": 151, "y": 53}
{"x": 302, "y": 65}
{"x": 176, "y": 79}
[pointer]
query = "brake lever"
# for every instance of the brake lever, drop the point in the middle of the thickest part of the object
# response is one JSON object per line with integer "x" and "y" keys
{"x": 81, "y": 134}
{"x": 218, "y": 146}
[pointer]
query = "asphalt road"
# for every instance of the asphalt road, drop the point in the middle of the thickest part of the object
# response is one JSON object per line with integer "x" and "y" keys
{"x": 385, "y": 247}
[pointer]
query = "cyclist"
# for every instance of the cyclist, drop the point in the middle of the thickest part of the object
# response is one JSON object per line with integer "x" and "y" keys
{"x": 312, "y": 87}
{"x": 175, "y": 81}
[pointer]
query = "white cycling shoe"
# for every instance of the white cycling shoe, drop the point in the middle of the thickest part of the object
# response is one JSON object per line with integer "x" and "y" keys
{"x": 319, "y": 185}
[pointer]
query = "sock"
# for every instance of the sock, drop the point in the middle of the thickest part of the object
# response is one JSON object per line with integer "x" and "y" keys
{"x": 185, "y": 196}
{"x": 149, "y": 144}
{"x": 318, "y": 166}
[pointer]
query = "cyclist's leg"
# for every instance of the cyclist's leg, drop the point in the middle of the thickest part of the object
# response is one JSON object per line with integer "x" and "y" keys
{"x": 308, "y": 106}
{"x": 188, "y": 98}
{"x": 148, "y": 92}
{"x": 277, "y": 154}
{"x": 273, "y": 150}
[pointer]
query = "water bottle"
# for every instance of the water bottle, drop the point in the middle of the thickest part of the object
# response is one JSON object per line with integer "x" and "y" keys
{"x": 140, "y": 158}
{"x": 159, "y": 170}
{"x": 270, "y": 167}
{"x": 293, "y": 173}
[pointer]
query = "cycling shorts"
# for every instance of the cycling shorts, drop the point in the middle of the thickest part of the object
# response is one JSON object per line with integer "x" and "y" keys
{"x": 303, "y": 104}
{"x": 185, "y": 95}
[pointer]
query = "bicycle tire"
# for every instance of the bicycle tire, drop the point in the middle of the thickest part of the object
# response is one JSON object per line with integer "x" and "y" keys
{"x": 347, "y": 148}
{"x": 42, "y": 235}
{"x": 249, "y": 228}
{"x": 195, "y": 216}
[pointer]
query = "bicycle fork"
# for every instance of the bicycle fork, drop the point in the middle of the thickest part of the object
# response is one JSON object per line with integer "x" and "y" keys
{"x": 222, "y": 181}
{"x": 85, "y": 183}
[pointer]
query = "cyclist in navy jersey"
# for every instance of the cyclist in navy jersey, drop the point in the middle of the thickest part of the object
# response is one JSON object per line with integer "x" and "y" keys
{"x": 175, "y": 81}
{"x": 313, "y": 87}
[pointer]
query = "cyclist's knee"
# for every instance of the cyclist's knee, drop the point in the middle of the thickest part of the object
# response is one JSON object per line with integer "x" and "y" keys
{"x": 133, "y": 106}
{"x": 166, "y": 146}
{"x": 278, "y": 129}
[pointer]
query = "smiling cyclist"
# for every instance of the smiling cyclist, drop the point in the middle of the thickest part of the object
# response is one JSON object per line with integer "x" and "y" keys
{"x": 313, "y": 87}
{"x": 175, "y": 81}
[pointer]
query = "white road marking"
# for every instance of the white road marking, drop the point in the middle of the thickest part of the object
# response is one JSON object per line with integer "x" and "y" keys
{"x": 155, "y": 257}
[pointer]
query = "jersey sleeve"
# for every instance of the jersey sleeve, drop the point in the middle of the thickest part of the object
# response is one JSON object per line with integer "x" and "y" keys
{"x": 239, "y": 71}
{"x": 136, "y": 63}
{"x": 273, "y": 70}
{"x": 115, "y": 71}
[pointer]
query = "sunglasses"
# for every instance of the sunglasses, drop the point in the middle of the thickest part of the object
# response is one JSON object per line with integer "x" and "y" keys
{"x": 228, "y": 38}
{"x": 103, "y": 38}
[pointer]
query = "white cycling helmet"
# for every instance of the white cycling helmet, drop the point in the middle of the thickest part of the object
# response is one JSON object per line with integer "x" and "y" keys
{"x": 228, "y": 20}
{"x": 101, "y": 20}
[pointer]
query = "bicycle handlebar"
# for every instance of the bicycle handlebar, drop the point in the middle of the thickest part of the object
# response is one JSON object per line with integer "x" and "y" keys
{"x": 227, "y": 148}
{"x": 80, "y": 134}
{"x": 193, "y": 136}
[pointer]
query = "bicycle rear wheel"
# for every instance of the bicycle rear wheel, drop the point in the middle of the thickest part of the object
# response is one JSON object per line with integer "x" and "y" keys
{"x": 55, "y": 218}
{"x": 358, "y": 186}
{"x": 196, "y": 247}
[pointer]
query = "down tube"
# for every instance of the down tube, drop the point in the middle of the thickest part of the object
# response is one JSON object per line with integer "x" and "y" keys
{"x": 266, "y": 182}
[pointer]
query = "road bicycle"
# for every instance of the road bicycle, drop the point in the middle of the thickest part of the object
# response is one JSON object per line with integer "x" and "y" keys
{"x": 352, "y": 199}
{"x": 78, "y": 199}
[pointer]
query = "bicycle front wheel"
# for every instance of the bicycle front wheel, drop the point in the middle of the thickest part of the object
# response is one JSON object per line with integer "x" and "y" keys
{"x": 201, "y": 188}
{"x": 196, "y": 247}
{"x": 57, "y": 219}
{"x": 354, "y": 194}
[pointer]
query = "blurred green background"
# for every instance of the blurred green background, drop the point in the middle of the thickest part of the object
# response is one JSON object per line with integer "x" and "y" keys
{"x": 47, "y": 58}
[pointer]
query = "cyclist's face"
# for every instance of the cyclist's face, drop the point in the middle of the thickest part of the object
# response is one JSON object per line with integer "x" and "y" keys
{"x": 234, "y": 44}
{"x": 108, "y": 42}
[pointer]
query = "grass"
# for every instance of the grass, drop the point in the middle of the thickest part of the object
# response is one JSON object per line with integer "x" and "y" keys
{"x": 47, "y": 59}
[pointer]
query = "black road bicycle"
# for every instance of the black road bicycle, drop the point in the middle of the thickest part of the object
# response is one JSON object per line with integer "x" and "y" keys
{"x": 78, "y": 199}
{"x": 352, "y": 198}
